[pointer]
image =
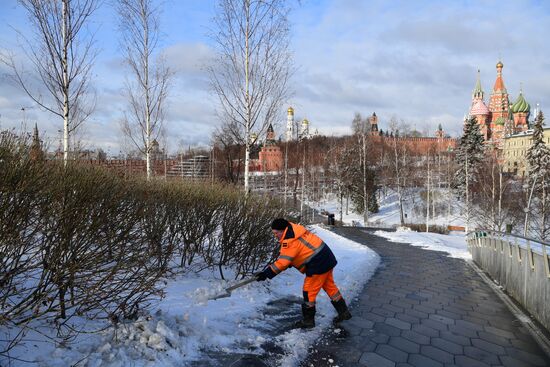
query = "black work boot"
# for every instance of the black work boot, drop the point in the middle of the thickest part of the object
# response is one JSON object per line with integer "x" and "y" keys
{"x": 342, "y": 309}
{"x": 309, "y": 318}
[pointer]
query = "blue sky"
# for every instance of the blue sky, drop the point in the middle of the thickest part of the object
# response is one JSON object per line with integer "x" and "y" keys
{"x": 413, "y": 60}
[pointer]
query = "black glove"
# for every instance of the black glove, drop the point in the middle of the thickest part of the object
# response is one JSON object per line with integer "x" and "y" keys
{"x": 265, "y": 274}
{"x": 261, "y": 276}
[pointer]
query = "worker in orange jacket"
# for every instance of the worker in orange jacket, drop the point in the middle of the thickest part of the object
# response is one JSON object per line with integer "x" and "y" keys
{"x": 312, "y": 256}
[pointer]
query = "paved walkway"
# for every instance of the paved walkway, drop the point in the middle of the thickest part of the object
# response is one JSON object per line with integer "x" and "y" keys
{"x": 422, "y": 308}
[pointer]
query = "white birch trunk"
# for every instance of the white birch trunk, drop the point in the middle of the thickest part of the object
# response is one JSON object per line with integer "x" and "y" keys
{"x": 66, "y": 87}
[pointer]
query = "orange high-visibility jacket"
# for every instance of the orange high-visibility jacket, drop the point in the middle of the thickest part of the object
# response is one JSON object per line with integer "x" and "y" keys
{"x": 304, "y": 251}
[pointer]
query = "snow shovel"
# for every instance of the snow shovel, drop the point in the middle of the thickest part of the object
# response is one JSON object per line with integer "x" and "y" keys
{"x": 227, "y": 291}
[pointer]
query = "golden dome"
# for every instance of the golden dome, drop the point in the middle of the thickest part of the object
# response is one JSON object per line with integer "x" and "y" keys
{"x": 500, "y": 65}
{"x": 305, "y": 122}
{"x": 290, "y": 110}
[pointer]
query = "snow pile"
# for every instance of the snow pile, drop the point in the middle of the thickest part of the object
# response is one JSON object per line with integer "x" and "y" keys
{"x": 454, "y": 244}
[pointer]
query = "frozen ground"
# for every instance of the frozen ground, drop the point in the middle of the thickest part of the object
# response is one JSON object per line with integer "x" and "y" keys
{"x": 185, "y": 324}
{"x": 388, "y": 214}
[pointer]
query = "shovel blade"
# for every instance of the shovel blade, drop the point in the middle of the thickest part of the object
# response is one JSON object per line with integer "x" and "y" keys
{"x": 220, "y": 295}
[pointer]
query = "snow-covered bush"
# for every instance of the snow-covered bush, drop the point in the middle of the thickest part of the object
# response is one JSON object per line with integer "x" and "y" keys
{"x": 78, "y": 241}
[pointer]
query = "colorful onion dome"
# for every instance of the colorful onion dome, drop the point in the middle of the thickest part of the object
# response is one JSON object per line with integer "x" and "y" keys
{"x": 500, "y": 121}
{"x": 479, "y": 108}
{"x": 520, "y": 105}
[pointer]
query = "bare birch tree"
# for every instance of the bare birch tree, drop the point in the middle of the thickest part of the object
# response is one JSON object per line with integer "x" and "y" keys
{"x": 398, "y": 159}
{"x": 148, "y": 83}
{"x": 62, "y": 54}
{"x": 252, "y": 68}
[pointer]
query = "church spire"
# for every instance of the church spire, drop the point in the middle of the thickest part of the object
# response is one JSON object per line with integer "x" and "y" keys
{"x": 478, "y": 92}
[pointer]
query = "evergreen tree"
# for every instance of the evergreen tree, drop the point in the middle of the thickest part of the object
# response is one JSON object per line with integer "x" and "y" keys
{"x": 373, "y": 202}
{"x": 469, "y": 155}
{"x": 538, "y": 161}
{"x": 538, "y": 154}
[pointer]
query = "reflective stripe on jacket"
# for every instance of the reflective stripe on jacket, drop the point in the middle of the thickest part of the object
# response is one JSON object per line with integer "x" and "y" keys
{"x": 304, "y": 251}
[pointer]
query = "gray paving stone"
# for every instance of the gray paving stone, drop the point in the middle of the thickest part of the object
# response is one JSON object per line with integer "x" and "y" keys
{"x": 416, "y": 313}
{"x": 461, "y": 330}
{"x": 488, "y": 346}
{"x": 481, "y": 355}
{"x": 387, "y": 329}
{"x": 500, "y": 332}
{"x": 380, "y": 338}
{"x": 424, "y": 308}
{"x": 508, "y": 361}
{"x": 404, "y": 344}
{"x": 447, "y": 346}
{"x": 392, "y": 353}
{"x": 493, "y": 338}
{"x": 359, "y": 322}
{"x": 407, "y": 318}
{"x": 405, "y": 304}
{"x": 434, "y": 324}
{"x": 393, "y": 307}
{"x": 523, "y": 345}
{"x": 419, "y": 360}
{"x": 436, "y": 354}
{"x": 531, "y": 358}
{"x": 443, "y": 319}
{"x": 373, "y": 359}
{"x": 400, "y": 324}
{"x": 383, "y": 312}
{"x": 465, "y": 361}
{"x": 476, "y": 320}
{"x": 468, "y": 325}
{"x": 415, "y": 337}
{"x": 375, "y": 318}
{"x": 455, "y": 338}
{"x": 425, "y": 330}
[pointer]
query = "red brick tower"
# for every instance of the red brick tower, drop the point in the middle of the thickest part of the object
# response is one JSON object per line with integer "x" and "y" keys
{"x": 499, "y": 106}
{"x": 271, "y": 156}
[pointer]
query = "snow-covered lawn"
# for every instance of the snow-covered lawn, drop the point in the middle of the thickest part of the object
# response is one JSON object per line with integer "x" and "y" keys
{"x": 454, "y": 244}
{"x": 388, "y": 213}
{"x": 185, "y": 322}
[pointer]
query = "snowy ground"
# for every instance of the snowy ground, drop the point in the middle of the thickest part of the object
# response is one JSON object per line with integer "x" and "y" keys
{"x": 185, "y": 323}
{"x": 388, "y": 214}
{"x": 454, "y": 244}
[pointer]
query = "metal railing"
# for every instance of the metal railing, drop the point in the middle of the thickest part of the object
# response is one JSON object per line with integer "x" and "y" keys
{"x": 495, "y": 239}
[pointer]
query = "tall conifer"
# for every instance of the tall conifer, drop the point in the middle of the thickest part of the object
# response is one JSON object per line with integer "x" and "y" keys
{"x": 469, "y": 155}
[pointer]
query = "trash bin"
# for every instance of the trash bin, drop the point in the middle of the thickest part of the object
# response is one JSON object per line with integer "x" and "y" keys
{"x": 508, "y": 228}
{"x": 331, "y": 219}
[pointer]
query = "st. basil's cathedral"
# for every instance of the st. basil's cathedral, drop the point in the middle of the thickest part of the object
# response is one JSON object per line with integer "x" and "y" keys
{"x": 501, "y": 117}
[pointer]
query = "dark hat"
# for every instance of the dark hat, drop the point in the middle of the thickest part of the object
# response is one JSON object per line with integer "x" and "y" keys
{"x": 280, "y": 224}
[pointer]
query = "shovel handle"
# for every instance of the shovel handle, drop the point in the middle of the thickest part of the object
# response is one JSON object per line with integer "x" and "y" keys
{"x": 242, "y": 283}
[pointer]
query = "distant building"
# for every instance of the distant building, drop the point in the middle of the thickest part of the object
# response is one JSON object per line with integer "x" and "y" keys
{"x": 515, "y": 149}
{"x": 418, "y": 145}
{"x": 501, "y": 117}
{"x": 271, "y": 156}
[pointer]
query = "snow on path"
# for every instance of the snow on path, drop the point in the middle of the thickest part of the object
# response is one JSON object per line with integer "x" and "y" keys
{"x": 454, "y": 244}
{"x": 185, "y": 323}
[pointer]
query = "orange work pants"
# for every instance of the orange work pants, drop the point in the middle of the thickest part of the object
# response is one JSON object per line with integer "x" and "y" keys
{"x": 313, "y": 285}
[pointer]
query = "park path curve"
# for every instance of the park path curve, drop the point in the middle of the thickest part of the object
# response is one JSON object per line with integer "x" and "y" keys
{"x": 422, "y": 308}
